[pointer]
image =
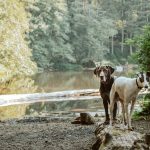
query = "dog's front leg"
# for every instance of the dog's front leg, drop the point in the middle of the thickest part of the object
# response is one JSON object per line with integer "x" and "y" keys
{"x": 128, "y": 117}
{"x": 131, "y": 110}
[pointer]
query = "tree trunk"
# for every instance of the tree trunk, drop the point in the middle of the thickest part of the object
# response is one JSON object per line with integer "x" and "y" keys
{"x": 131, "y": 50}
{"x": 122, "y": 39}
{"x": 131, "y": 47}
{"x": 112, "y": 45}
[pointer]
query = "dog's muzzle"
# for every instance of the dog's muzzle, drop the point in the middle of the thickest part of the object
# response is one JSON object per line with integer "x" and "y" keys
{"x": 102, "y": 78}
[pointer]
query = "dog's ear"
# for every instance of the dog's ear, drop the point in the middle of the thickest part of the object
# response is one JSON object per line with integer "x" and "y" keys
{"x": 148, "y": 73}
{"x": 111, "y": 69}
{"x": 96, "y": 71}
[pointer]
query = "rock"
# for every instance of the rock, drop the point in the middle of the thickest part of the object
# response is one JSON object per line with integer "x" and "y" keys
{"x": 85, "y": 119}
{"x": 147, "y": 139}
{"x": 97, "y": 144}
{"x": 119, "y": 138}
{"x": 141, "y": 144}
{"x": 96, "y": 115}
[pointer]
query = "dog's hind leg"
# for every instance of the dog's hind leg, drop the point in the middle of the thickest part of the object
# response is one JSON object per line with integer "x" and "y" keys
{"x": 112, "y": 102}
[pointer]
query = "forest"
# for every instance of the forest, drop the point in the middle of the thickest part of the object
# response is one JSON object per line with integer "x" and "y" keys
{"x": 48, "y": 52}
{"x": 39, "y": 35}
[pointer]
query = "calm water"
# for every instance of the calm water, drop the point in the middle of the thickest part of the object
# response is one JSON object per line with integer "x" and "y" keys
{"x": 51, "y": 82}
{"x": 61, "y": 81}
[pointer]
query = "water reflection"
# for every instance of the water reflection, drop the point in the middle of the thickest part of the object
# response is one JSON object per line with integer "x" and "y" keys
{"x": 8, "y": 112}
{"x": 66, "y": 108}
{"x": 59, "y": 81}
{"x": 18, "y": 85}
{"x": 50, "y": 82}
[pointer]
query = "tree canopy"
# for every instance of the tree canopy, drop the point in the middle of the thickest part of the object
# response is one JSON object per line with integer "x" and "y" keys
{"x": 54, "y": 34}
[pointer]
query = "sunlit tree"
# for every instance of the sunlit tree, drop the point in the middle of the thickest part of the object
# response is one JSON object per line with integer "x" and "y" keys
{"x": 15, "y": 56}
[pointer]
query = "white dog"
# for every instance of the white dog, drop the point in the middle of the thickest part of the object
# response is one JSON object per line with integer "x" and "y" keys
{"x": 126, "y": 90}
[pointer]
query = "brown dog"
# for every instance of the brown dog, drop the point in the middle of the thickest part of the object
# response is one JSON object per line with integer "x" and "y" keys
{"x": 106, "y": 81}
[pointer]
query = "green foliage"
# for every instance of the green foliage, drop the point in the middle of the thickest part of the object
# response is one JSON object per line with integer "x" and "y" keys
{"x": 14, "y": 52}
{"x": 49, "y": 29}
{"x": 143, "y": 44}
{"x": 67, "y": 66}
{"x": 145, "y": 112}
{"x": 89, "y": 31}
{"x": 146, "y": 105}
{"x": 70, "y": 32}
{"x": 62, "y": 32}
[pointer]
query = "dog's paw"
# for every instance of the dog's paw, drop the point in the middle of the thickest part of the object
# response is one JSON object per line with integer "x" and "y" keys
{"x": 131, "y": 128}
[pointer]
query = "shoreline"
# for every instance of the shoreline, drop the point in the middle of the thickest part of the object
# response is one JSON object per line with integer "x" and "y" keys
{"x": 37, "y": 133}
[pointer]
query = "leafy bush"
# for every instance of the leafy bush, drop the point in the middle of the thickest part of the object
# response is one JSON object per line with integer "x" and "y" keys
{"x": 143, "y": 44}
{"x": 145, "y": 111}
{"x": 146, "y": 105}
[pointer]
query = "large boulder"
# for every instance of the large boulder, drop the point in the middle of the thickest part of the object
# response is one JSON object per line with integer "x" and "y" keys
{"x": 119, "y": 138}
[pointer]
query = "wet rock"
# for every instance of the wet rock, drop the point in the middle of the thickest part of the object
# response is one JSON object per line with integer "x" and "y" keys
{"x": 85, "y": 119}
{"x": 147, "y": 139}
{"x": 141, "y": 144}
{"x": 96, "y": 115}
{"x": 97, "y": 144}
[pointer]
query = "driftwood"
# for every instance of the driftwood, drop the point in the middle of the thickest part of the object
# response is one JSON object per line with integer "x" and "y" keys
{"x": 119, "y": 138}
{"x": 84, "y": 119}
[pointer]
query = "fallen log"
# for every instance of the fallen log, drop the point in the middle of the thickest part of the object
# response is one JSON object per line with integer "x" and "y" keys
{"x": 118, "y": 138}
{"x": 73, "y": 95}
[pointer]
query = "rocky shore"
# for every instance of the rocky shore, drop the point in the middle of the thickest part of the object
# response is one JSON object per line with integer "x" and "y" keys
{"x": 45, "y": 133}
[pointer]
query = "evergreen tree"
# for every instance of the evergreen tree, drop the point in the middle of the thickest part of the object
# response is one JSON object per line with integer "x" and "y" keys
{"x": 49, "y": 34}
{"x": 90, "y": 31}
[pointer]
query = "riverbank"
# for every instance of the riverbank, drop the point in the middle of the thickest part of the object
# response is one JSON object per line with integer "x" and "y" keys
{"x": 45, "y": 133}
{"x": 56, "y": 134}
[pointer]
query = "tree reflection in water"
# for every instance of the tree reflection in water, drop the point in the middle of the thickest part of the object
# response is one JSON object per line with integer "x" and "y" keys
{"x": 47, "y": 82}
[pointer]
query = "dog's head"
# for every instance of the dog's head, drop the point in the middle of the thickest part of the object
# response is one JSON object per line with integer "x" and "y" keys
{"x": 104, "y": 72}
{"x": 144, "y": 79}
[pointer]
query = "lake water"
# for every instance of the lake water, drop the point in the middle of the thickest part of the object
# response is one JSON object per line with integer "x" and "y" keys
{"x": 62, "y": 81}
{"x": 51, "y": 82}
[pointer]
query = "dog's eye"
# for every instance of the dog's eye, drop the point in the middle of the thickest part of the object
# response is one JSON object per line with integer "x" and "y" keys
{"x": 141, "y": 80}
{"x": 147, "y": 78}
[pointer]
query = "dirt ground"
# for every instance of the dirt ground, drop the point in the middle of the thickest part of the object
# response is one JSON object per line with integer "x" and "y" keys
{"x": 48, "y": 134}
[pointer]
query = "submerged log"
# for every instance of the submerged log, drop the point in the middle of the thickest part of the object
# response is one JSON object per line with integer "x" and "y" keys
{"x": 118, "y": 138}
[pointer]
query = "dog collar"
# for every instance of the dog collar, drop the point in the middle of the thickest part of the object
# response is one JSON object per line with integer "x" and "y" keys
{"x": 138, "y": 85}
